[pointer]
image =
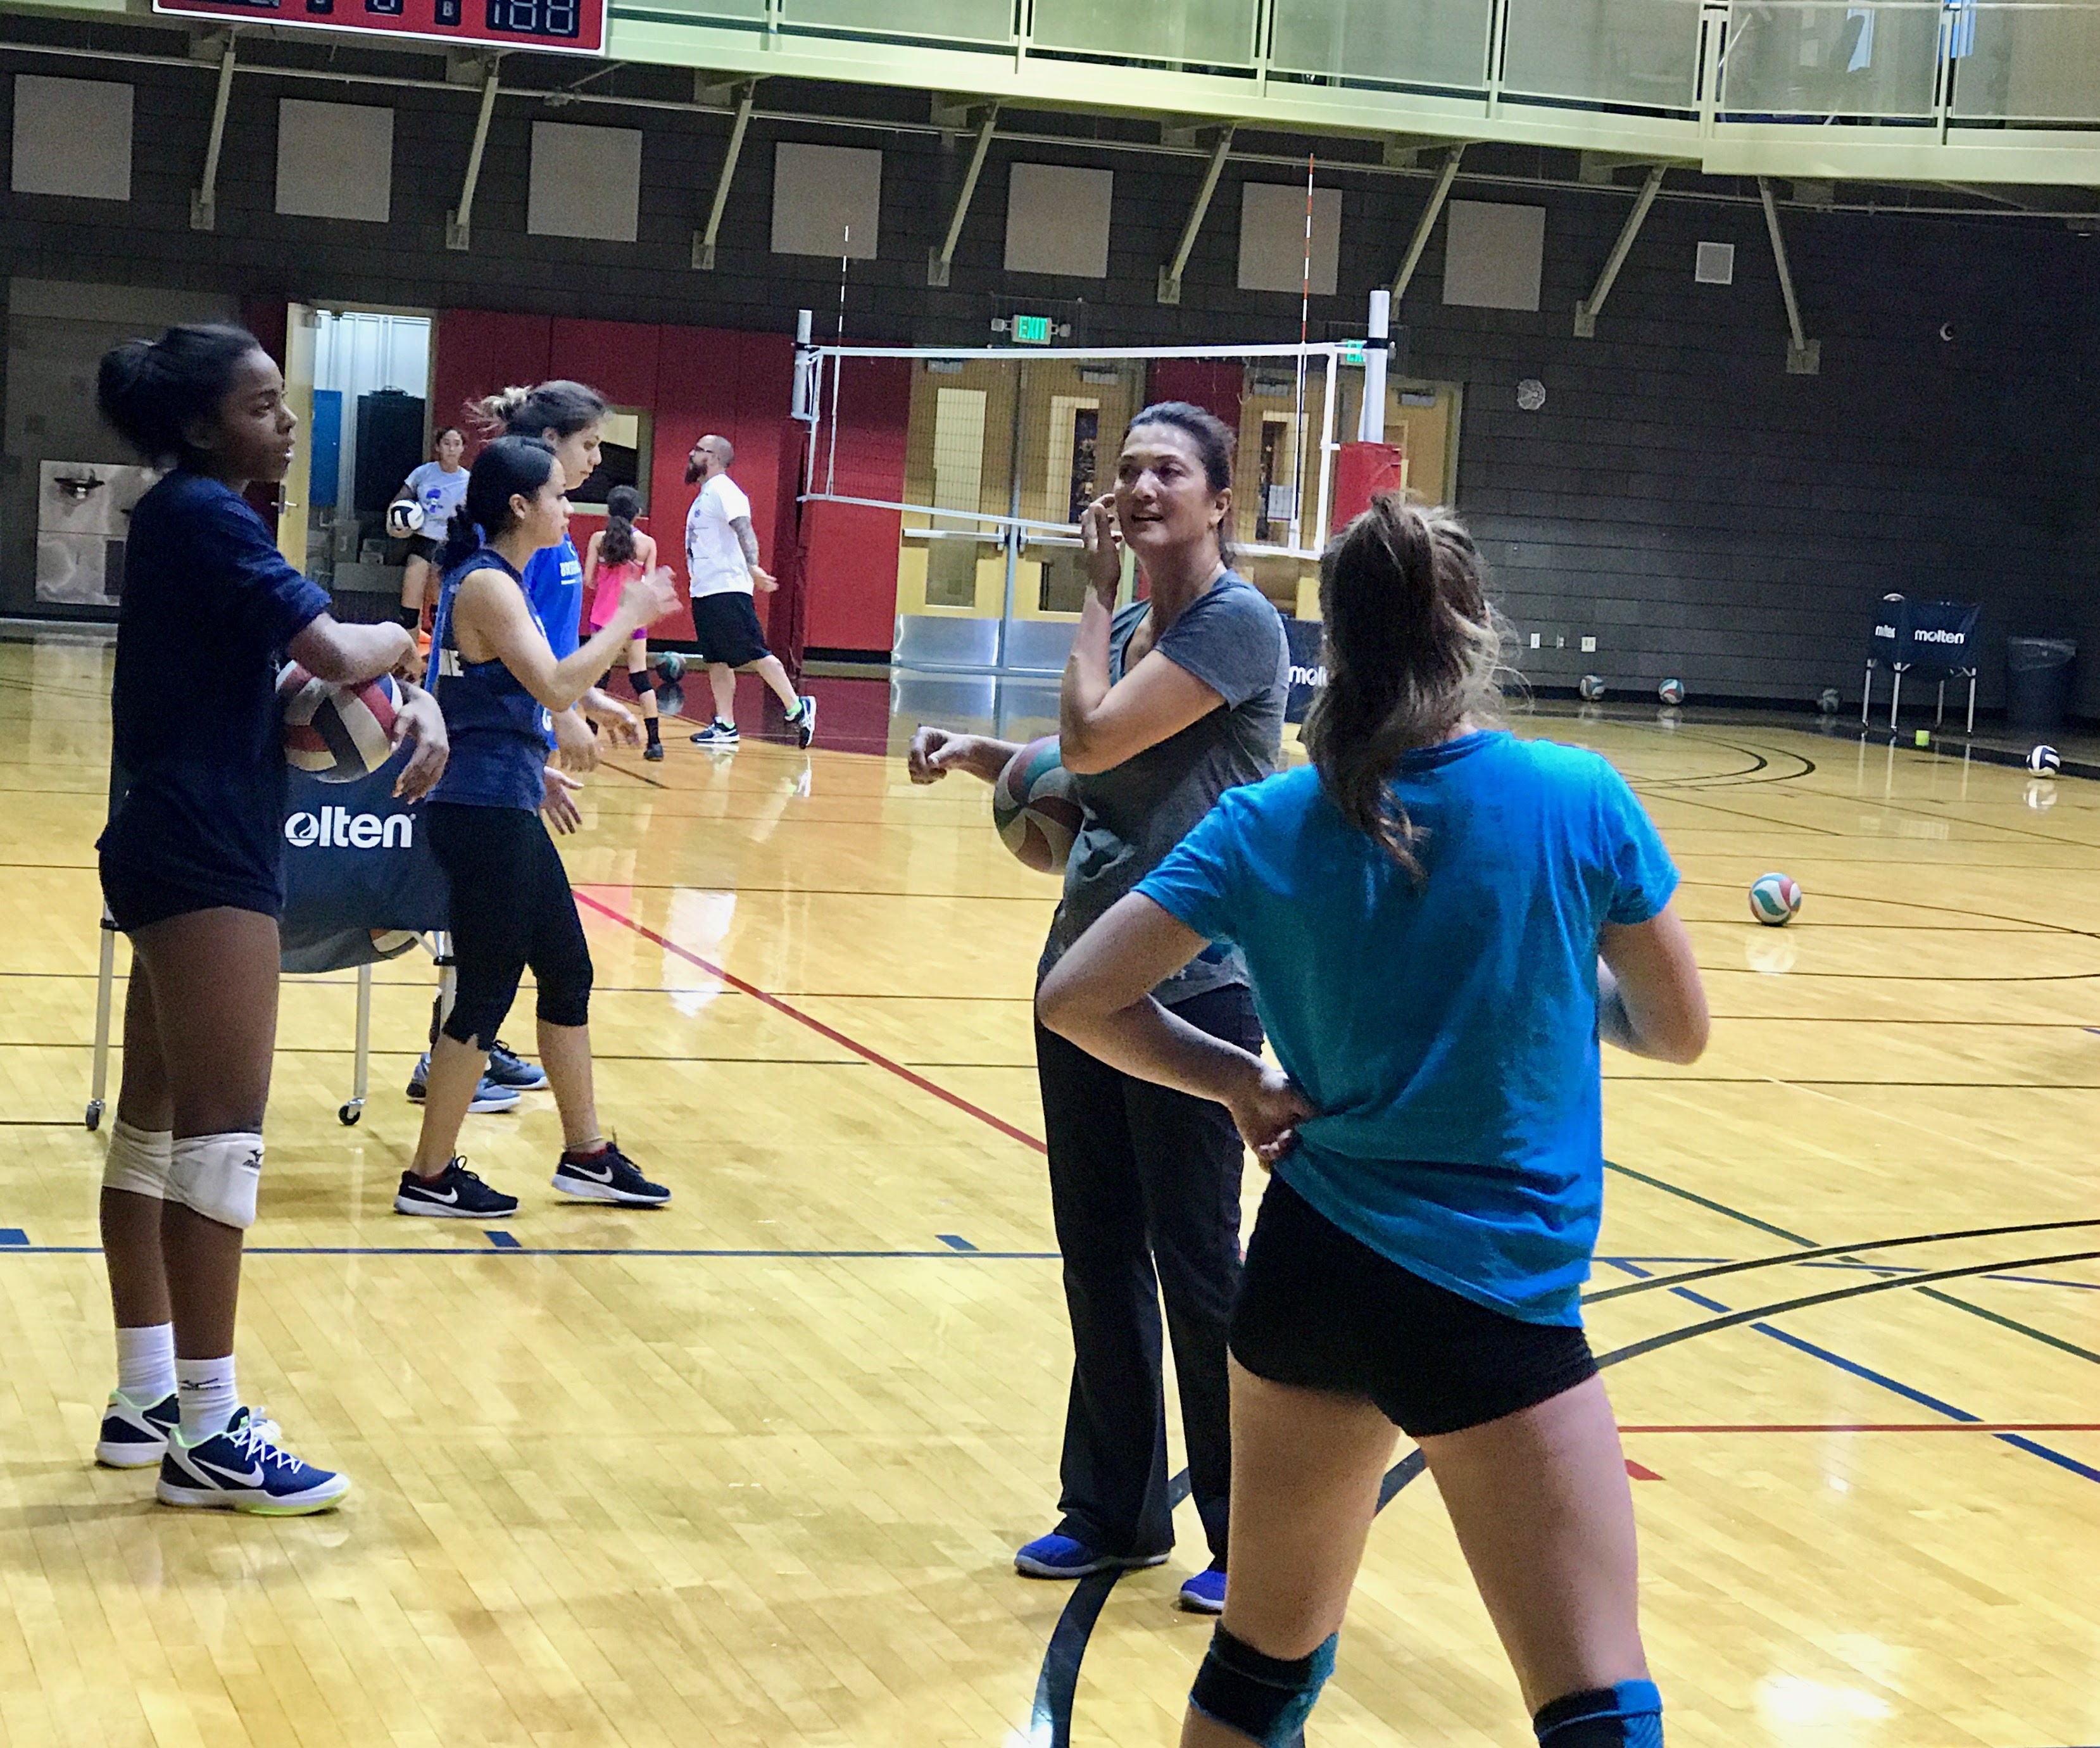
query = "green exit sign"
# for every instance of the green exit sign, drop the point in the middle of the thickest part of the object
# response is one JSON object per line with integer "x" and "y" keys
{"x": 1031, "y": 330}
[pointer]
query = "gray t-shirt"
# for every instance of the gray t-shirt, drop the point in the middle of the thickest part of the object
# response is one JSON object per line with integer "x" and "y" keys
{"x": 1232, "y": 639}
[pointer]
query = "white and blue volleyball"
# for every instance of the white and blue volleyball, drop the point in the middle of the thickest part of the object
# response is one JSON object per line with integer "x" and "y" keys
{"x": 2045, "y": 762}
{"x": 1592, "y": 687}
{"x": 1774, "y": 900}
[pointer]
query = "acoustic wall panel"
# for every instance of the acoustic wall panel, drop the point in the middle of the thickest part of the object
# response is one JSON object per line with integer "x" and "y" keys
{"x": 335, "y": 160}
{"x": 586, "y": 182}
{"x": 1273, "y": 237}
{"x": 71, "y": 136}
{"x": 827, "y": 201}
{"x": 1493, "y": 255}
{"x": 1057, "y": 220}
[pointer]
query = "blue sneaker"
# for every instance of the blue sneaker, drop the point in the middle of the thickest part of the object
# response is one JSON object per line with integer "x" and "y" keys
{"x": 1061, "y": 1556}
{"x": 491, "y": 1094}
{"x": 244, "y": 1469}
{"x": 507, "y": 1068}
{"x": 1205, "y": 1593}
{"x": 133, "y": 1436}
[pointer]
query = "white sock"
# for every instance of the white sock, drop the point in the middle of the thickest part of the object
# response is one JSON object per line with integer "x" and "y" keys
{"x": 146, "y": 1363}
{"x": 208, "y": 1396}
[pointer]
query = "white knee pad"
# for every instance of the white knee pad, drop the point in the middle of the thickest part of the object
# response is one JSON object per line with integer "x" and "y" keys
{"x": 216, "y": 1174}
{"x": 138, "y": 1160}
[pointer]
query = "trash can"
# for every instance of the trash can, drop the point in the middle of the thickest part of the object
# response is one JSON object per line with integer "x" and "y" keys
{"x": 2038, "y": 681}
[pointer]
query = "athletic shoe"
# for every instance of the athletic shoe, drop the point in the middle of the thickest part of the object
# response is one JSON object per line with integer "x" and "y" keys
{"x": 244, "y": 1469}
{"x": 804, "y": 721}
{"x": 509, "y": 1070}
{"x": 490, "y": 1095}
{"x": 607, "y": 1176}
{"x": 1061, "y": 1556}
{"x": 133, "y": 1436}
{"x": 1205, "y": 1593}
{"x": 454, "y": 1193}
{"x": 654, "y": 750}
{"x": 717, "y": 734}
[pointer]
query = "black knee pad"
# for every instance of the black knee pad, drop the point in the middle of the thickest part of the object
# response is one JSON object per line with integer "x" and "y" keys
{"x": 1266, "y": 1699}
{"x": 643, "y": 682}
{"x": 1629, "y": 1715}
{"x": 565, "y": 991}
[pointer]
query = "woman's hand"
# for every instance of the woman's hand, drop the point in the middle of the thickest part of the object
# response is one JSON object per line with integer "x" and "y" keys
{"x": 1100, "y": 543}
{"x": 420, "y": 720}
{"x": 935, "y": 752}
{"x": 574, "y": 745}
{"x": 557, "y": 802}
{"x": 1268, "y": 1114}
{"x": 619, "y": 723}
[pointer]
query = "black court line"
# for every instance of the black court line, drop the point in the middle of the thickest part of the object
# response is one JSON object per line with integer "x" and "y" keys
{"x": 1829, "y": 1250}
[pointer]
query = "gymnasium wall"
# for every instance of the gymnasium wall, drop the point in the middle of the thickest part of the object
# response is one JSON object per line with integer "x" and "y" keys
{"x": 1679, "y": 496}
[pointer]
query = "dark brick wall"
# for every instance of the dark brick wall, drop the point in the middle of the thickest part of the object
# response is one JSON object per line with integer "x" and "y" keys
{"x": 1679, "y": 496}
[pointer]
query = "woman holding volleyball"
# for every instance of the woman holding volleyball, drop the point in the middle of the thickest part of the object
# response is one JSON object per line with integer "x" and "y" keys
{"x": 617, "y": 553}
{"x": 435, "y": 489}
{"x": 1440, "y": 922}
{"x": 1166, "y": 704}
{"x": 498, "y": 680}
{"x": 193, "y": 871}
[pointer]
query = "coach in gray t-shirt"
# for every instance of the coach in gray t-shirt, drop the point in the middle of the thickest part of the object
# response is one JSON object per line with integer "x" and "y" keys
{"x": 1232, "y": 640}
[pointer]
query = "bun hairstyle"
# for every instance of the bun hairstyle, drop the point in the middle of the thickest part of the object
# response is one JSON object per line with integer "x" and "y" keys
{"x": 151, "y": 392}
{"x": 508, "y": 467}
{"x": 562, "y": 406}
{"x": 1213, "y": 441}
{"x": 623, "y": 504}
{"x": 1413, "y": 648}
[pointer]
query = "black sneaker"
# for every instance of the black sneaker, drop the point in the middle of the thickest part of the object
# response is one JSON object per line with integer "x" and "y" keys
{"x": 804, "y": 721}
{"x": 607, "y": 1176}
{"x": 654, "y": 750}
{"x": 454, "y": 1193}
{"x": 717, "y": 734}
{"x": 507, "y": 1068}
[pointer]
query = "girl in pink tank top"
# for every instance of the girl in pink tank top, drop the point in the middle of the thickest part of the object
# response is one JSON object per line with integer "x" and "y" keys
{"x": 617, "y": 554}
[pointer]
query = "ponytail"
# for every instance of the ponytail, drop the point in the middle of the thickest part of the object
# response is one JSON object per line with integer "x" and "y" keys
{"x": 1414, "y": 648}
{"x": 151, "y": 391}
{"x": 562, "y": 406}
{"x": 622, "y": 504}
{"x": 510, "y": 467}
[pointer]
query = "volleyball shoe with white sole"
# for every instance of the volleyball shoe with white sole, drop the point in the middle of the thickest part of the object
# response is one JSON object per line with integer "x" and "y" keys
{"x": 244, "y": 1469}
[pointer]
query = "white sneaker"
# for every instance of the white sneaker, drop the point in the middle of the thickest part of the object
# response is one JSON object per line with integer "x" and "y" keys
{"x": 133, "y": 1436}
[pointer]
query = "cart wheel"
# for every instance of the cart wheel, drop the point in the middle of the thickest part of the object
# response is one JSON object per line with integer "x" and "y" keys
{"x": 93, "y": 1118}
{"x": 349, "y": 1113}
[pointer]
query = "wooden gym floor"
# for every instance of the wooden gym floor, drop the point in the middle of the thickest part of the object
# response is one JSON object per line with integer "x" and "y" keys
{"x": 750, "y": 1470}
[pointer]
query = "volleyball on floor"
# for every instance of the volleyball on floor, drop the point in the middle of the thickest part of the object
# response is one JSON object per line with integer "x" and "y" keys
{"x": 1035, "y": 807}
{"x": 1774, "y": 900}
{"x": 1671, "y": 691}
{"x": 2045, "y": 762}
{"x": 337, "y": 733}
{"x": 1829, "y": 701}
{"x": 404, "y": 516}
{"x": 1592, "y": 688}
{"x": 670, "y": 668}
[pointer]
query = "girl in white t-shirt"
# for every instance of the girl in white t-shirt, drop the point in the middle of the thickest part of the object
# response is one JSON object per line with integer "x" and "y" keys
{"x": 437, "y": 488}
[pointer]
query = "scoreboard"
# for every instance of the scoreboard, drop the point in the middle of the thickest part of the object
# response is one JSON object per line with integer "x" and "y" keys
{"x": 574, "y": 26}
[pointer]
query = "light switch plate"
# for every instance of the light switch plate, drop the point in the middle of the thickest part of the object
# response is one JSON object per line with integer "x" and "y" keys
{"x": 1535, "y": 640}
{"x": 1589, "y": 645}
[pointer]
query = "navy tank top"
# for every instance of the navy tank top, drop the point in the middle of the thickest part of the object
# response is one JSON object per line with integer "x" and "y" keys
{"x": 500, "y": 732}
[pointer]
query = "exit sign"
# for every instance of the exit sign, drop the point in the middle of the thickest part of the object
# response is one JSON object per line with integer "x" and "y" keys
{"x": 1031, "y": 330}
{"x": 574, "y": 27}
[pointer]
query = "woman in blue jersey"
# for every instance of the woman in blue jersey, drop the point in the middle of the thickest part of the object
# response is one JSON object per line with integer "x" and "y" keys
{"x": 1440, "y": 922}
{"x": 498, "y": 680}
{"x": 193, "y": 871}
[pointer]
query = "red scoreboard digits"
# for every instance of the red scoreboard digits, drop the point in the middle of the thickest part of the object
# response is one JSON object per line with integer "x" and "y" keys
{"x": 574, "y": 27}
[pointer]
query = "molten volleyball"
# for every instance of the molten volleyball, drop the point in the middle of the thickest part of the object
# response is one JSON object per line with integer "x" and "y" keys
{"x": 337, "y": 733}
{"x": 1774, "y": 900}
{"x": 1035, "y": 807}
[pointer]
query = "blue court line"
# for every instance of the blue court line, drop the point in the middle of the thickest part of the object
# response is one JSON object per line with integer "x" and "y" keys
{"x": 954, "y": 1241}
{"x": 13, "y": 1238}
{"x": 504, "y": 1240}
{"x": 1908, "y": 1392}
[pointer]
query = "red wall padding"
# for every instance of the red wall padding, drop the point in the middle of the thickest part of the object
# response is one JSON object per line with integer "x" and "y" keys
{"x": 853, "y": 549}
{"x": 1212, "y": 384}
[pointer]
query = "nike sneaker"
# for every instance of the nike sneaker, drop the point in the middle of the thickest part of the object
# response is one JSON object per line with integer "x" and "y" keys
{"x": 507, "y": 1069}
{"x": 804, "y": 721}
{"x": 244, "y": 1469}
{"x": 492, "y": 1094}
{"x": 132, "y": 1436}
{"x": 454, "y": 1193}
{"x": 607, "y": 1176}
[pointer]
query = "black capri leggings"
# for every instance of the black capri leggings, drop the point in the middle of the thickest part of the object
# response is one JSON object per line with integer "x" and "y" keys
{"x": 511, "y": 907}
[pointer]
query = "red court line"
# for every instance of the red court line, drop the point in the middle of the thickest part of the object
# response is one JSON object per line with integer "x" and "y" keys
{"x": 1894, "y": 1426}
{"x": 815, "y": 1025}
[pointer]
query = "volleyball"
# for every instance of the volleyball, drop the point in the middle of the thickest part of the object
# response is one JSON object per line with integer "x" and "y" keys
{"x": 1592, "y": 688}
{"x": 670, "y": 668}
{"x": 1035, "y": 807}
{"x": 405, "y": 517}
{"x": 1829, "y": 701}
{"x": 337, "y": 733}
{"x": 1671, "y": 691}
{"x": 391, "y": 943}
{"x": 1774, "y": 900}
{"x": 2045, "y": 762}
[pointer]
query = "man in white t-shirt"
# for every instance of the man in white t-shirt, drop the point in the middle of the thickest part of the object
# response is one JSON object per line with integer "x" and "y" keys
{"x": 721, "y": 560}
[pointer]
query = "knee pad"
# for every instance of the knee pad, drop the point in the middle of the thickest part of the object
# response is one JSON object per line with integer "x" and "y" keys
{"x": 1266, "y": 1699}
{"x": 565, "y": 994}
{"x": 138, "y": 1160}
{"x": 643, "y": 682}
{"x": 1629, "y": 1715}
{"x": 216, "y": 1174}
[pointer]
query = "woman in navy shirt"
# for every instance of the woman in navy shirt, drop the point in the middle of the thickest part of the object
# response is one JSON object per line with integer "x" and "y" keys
{"x": 1440, "y": 921}
{"x": 193, "y": 871}
{"x": 511, "y": 906}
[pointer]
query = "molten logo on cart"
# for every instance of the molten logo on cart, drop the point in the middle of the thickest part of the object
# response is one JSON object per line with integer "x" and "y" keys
{"x": 339, "y": 828}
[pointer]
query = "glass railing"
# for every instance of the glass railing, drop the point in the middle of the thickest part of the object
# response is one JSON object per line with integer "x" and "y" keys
{"x": 1727, "y": 62}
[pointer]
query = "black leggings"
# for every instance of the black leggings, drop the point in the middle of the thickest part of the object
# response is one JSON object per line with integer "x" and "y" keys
{"x": 511, "y": 907}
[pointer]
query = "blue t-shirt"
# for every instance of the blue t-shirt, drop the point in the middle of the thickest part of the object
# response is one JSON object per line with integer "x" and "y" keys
{"x": 209, "y": 604}
{"x": 554, "y": 585}
{"x": 1448, "y": 1032}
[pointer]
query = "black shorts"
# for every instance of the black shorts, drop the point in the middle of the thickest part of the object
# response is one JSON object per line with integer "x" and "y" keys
{"x": 726, "y": 627}
{"x": 422, "y": 546}
{"x": 138, "y": 898}
{"x": 1323, "y": 1310}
